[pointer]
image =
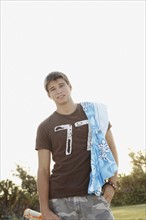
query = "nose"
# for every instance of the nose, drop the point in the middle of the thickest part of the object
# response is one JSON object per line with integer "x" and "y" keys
{"x": 58, "y": 90}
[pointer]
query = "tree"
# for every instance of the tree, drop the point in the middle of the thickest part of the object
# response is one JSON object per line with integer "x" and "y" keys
{"x": 28, "y": 196}
{"x": 28, "y": 182}
{"x": 9, "y": 195}
{"x": 13, "y": 199}
{"x": 138, "y": 162}
{"x": 132, "y": 188}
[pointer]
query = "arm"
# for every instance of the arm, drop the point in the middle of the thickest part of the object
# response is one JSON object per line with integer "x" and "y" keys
{"x": 108, "y": 190}
{"x": 43, "y": 184}
{"x": 112, "y": 145}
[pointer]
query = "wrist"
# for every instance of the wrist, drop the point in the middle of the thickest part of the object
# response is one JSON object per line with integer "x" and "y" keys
{"x": 44, "y": 210}
{"x": 112, "y": 184}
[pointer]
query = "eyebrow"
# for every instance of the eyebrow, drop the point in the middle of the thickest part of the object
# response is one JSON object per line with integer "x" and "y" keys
{"x": 52, "y": 87}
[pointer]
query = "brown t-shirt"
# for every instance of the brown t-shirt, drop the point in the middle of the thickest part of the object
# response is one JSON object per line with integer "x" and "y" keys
{"x": 66, "y": 137}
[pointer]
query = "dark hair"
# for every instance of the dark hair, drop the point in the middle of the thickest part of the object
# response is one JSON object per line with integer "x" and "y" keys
{"x": 54, "y": 76}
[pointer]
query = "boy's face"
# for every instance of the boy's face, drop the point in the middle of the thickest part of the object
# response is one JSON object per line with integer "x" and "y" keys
{"x": 59, "y": 91}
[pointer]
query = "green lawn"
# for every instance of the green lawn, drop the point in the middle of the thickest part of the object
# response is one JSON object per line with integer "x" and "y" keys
{"x": 131, "y": 212}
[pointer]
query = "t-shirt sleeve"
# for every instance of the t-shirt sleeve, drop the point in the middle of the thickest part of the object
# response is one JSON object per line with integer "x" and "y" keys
{"x": 42, "y": 138}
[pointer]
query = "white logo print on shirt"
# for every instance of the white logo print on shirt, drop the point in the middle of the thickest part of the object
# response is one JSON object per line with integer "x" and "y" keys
{"x": 68, "y": 127}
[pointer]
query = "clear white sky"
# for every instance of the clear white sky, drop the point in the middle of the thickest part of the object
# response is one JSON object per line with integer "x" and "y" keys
{"x": 100, "y": 45}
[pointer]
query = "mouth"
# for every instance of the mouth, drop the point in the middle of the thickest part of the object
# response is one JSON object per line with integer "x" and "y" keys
{"x": 61, "y": 97}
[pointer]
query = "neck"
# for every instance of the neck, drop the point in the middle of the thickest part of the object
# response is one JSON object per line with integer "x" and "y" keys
{"x": 66, "y": 108}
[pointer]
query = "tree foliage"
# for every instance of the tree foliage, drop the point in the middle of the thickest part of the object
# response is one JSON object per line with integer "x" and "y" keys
{"x": 9, "y": 194}
{"x": 138, "y": 162}
{"x": 132, "y": 187}
{"x": 13, "y": 199}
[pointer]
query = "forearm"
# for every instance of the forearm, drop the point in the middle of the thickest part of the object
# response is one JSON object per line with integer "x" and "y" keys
{"x": 112, "y": 146}
{"x": 115, "y": 154}
{"x": 43, "y": 190}
{"x": 113, "y": 179}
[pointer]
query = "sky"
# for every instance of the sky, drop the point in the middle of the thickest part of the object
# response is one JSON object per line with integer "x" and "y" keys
{"x": 100, "y": 45}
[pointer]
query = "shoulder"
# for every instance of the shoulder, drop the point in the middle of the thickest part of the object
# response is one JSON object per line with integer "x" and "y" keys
{"x": 101, "y": 107}
{"x": 46, "y": 122}
{"x": 100, "y": 111}
{"x": 96, "y": 105}
{"x": 102, "y": 116}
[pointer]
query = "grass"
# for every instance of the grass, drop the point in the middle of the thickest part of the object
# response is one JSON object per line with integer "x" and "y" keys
{"x": 131, "y": 212}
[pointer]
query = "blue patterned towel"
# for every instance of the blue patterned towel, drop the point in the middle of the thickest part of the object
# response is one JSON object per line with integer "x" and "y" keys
{"x": 103, "y": 165}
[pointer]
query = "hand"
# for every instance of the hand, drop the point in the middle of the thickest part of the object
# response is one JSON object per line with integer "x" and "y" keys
{"x": 50, "y": 216}
{"x": 108, "y": 193}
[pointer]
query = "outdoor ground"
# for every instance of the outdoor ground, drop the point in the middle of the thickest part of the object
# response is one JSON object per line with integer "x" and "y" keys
{"x": 131, "y": 212}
